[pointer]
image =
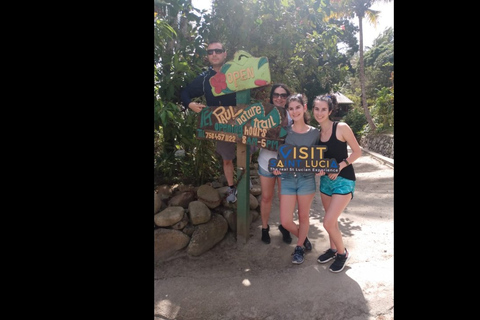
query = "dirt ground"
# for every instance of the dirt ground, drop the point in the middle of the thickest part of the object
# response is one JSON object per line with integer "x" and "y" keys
{"x": 253, "y": 280}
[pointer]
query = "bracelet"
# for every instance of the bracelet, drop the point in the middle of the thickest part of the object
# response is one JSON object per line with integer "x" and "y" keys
{"x": 346, "y": 162}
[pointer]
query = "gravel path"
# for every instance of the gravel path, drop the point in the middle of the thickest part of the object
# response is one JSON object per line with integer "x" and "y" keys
{"x": 254, "y": 281}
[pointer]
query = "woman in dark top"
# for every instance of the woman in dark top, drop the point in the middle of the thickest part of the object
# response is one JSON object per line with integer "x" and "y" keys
{"x": 336, "y": 189}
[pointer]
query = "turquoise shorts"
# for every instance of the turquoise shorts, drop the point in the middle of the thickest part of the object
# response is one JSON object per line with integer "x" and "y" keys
{"x": 337, "y": 186}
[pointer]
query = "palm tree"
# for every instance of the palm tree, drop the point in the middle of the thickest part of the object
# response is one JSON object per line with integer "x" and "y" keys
{"x": 360, "y": 9}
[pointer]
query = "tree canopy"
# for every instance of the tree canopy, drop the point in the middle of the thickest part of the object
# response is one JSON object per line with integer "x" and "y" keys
{"x": 308, "y": 47}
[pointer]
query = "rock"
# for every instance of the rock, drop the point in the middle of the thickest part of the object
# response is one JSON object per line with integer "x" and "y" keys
{"x": 209, "y": 195}
{"x": 169, "y": 216}
{"x": 254, "y": 214}
{"x": 198, "y": 212}
{"x": 157, "y": 202}
{"x": 182, "y": 223}
{"x": 201, "y": 214}
{"x": 231, "y": 218}
{"x": 253, "y": 202}
{"x": 189, "y": 229}
{"x": 164, "y": 191}
{"x": 207, "y": 235}
{"x": 167, "y": 242}
{"x": 182, "y": 199}
{"x": 256, "y": 190}
{"x": 216, "y": 184}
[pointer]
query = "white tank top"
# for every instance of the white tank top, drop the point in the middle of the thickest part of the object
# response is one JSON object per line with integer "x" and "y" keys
{"x": 266, "y": 154}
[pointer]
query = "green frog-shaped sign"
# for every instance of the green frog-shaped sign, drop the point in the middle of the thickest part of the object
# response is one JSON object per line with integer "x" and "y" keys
{"x": 242, "y": 73}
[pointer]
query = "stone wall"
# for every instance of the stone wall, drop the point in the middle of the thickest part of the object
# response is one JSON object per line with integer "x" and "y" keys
{"x": 379, "y": 143}
{"x": 192, "y": 220}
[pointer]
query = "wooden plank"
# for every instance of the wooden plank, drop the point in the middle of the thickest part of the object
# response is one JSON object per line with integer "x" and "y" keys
{"x": 243, "y": 185}
{"x": 251, "y": 124}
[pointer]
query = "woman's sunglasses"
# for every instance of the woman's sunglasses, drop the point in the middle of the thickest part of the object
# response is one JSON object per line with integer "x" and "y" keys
{"x": 280, "y": 95}
{"x": 217, "y": 51}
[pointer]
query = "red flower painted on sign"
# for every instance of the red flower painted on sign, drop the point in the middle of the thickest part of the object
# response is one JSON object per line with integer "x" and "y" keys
{"x": 260, "y": 83}
{"x": 219, "y": 82}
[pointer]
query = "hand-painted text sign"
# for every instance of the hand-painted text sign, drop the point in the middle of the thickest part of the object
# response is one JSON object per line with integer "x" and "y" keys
{"x": 302, "y": 159}
{"x": 254, "y": 125}
{"x": 242, "y": 73}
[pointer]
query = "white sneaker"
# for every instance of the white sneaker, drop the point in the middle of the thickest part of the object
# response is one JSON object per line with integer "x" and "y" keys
{"x": 232, "y": 195}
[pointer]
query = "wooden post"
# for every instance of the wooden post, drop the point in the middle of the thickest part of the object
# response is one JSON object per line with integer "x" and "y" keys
{"x": 240, "y": 75}
{"x": 243, "y": 185}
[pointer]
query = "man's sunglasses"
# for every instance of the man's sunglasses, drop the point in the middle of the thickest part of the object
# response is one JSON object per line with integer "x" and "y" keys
{"x": 217, "y": 51}
{"x": 280, "y": 95}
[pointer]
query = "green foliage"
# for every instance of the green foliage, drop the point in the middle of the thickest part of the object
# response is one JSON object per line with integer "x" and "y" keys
{"x": 307, "y": 47}
{"x": 192, "y": 161}
{"x": 178, "y": 155}
{"x": 379, "y": 63}
{"x": 361, "y": 10}
{"x": 382, "y": 110}
{"x": 378, "y": 83}
{"x": 300, "y": 41}
{"x": 357, "y": 121}
{"x": 187, "y": 159}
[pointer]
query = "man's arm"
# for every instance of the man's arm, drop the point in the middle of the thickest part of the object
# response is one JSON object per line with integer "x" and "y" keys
{"x": 193, "y": 90}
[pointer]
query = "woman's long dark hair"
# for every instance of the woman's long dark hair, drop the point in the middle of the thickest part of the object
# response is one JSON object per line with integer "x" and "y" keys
{"x": 330, "y": 99}
{"x": 301, "y": 98}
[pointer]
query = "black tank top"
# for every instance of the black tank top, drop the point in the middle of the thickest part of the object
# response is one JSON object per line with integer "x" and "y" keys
{"x": 338, "y": 149}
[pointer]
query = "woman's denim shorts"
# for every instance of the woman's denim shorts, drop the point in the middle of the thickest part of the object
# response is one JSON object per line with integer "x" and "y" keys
{"x": 265, "y": 173}
{"x": 299, "y": 183}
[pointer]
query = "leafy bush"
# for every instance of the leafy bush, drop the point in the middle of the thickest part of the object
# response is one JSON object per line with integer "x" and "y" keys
{"x": 382, "y": 110}
{"x": 189, "y": 160}
{"x": 357, "y": 121}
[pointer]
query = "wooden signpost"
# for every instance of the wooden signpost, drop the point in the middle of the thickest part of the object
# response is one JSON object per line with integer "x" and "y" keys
{"x": 246, "y": 124}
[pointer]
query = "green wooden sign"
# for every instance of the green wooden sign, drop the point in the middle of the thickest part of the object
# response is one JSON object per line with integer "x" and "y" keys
{"x": 254, "y": 125}
{"x": 242, "y": 73}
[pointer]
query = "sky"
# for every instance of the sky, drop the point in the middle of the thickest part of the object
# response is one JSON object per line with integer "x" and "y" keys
{"x": 384, "y": 21}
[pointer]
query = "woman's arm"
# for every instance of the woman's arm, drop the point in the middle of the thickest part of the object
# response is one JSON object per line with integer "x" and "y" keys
{"x": 346, "y": 134}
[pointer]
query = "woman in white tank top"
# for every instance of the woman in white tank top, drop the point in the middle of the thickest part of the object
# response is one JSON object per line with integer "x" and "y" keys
{"x": 278, "y": 97}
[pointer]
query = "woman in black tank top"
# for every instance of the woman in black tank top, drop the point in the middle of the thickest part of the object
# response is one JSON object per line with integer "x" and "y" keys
{"x": 336, "y": 189}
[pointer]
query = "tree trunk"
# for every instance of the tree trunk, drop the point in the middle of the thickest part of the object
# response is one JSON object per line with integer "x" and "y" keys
{"x": 362, "y": 80}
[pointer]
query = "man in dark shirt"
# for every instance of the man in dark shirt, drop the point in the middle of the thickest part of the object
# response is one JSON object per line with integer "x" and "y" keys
{"x": 200, "y": 86}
